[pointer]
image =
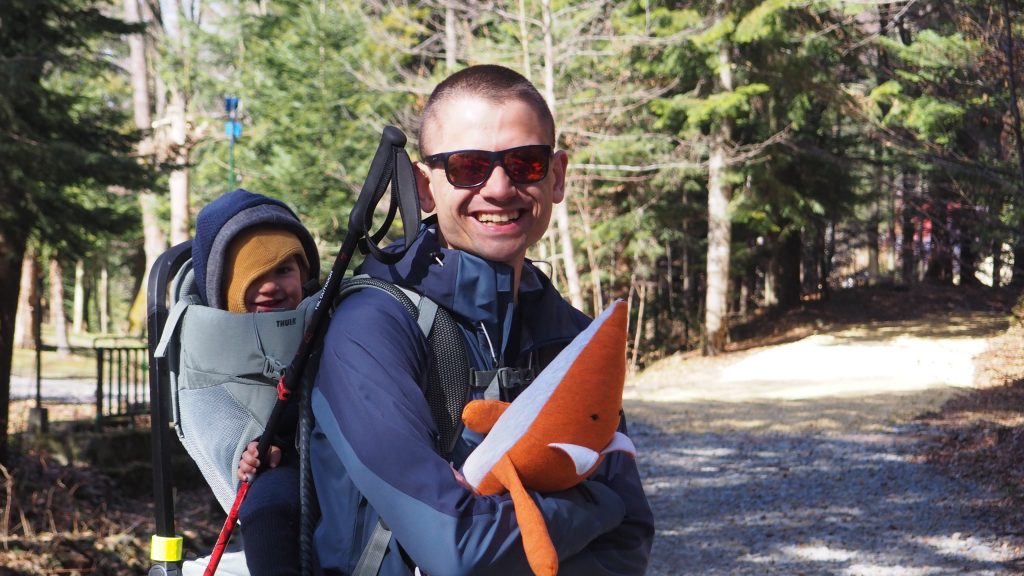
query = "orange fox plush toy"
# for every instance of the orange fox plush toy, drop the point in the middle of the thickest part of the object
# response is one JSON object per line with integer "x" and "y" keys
{"x": 556, "y": 432}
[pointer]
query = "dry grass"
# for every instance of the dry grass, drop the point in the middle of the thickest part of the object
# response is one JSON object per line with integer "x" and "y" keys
{"x": 68, "y": 519}
{"x": 57, "y": 412}
{"x": 979, "y": 435}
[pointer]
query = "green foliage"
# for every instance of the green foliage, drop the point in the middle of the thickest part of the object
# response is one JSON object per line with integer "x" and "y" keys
{"x": 932, "y": 55}
{"x": 701, "y": 112}
{"x": 721, "y": 29}
{"x": 64, "y": 137}
{"x": 933, "y": 119}
{"x": 310, "y": 125}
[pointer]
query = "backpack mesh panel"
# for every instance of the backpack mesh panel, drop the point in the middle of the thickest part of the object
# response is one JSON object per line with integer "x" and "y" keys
{"x": 212, "y": 415}
{"x": 448, "y": 381}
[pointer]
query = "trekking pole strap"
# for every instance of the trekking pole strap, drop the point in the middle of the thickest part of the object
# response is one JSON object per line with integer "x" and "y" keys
{"x": 373, "y": 554}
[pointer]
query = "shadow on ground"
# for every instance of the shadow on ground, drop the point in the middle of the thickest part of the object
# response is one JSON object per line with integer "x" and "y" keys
{"x": 823, "y": 494}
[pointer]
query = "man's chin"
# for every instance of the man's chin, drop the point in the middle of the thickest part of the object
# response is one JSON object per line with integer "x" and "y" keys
{"x": 512, "y": 256}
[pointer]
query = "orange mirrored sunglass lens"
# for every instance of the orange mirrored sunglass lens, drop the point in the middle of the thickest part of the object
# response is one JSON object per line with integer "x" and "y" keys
{"x": 471, "y": 168}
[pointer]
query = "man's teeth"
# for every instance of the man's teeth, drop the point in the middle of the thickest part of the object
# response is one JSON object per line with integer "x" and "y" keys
{"x": 498, "y": 218}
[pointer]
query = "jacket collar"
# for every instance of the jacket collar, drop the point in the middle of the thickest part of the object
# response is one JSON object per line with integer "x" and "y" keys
{"x": 480, "y": 291}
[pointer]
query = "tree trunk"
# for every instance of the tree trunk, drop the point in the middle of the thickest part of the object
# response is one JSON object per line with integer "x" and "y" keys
{"x": 450, "y": 40}
{"x": 940, "y": 260}
{"x": 57, "y": 317}
{"x": 873, "y": 245}
{"x": 963, "y": 227}
{"x": 719, "y": 239}
{"x": 770, "y": 296}
{"x": 891, "y": 232}
{"x": 1018, "y": 252}
{"x": 24, "y": 326}
{"x": 743, "y": 299}
{"x": 103, "y": 300}
{"x": 787, "y": 284}
{"x": 639, "y": 328}
{"x": 154, "y": 242}
{"x": 179, "y": 179}
{"x": 524, "y": 38}
{"x": 78, "y": 317}
{"x": 812, "y": 261}
{"x": 909, "y": 263}
{"x": 719, "y": 222}
{"x": 595, "y": 267}
{"x": 830, "y": 251}
{"x": 561, "y": 210}
{"x": 12, "y": 251}
{"x": 137, "y": 67}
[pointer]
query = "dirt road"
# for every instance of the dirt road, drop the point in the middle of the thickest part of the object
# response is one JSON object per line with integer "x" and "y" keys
{"x": 800, "y": 458}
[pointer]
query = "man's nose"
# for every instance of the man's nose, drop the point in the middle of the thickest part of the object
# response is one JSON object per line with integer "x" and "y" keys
{"x": 498, "y": 186}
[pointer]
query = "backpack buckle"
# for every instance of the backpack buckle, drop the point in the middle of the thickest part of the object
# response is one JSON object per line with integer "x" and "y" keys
{"x": 503, "y": 383}
{"x": 512, "y": 378}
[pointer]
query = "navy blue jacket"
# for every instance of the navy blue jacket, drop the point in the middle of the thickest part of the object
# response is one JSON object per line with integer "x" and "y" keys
{"x": 373, "y": 447}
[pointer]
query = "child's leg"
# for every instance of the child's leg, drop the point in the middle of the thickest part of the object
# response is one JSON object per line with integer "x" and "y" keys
{"x": 270, "y": 522}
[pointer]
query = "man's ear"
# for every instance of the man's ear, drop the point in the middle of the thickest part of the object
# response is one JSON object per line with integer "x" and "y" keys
{"x": 423, "y": 187}
{"x": 559, "y": 164}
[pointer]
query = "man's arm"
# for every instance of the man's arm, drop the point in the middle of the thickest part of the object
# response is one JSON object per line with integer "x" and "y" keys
{"x": 370, "y": 407}
{"x": 625, "y": 550}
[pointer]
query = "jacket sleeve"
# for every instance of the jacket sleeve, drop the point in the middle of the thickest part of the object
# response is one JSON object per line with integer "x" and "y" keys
{"x": 626, "y": 549}
{"x": 370, "y": 407}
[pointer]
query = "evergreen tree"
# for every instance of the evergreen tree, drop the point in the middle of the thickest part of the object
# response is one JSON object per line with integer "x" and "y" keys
{"x": 60, "y": 147}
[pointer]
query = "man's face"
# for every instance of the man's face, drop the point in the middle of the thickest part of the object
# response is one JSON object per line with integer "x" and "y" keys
{"x": 278, "y": 289}
{"x": 499, "y": 219}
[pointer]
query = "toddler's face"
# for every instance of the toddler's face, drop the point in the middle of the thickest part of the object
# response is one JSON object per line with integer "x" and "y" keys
{"x": 278, "y": 289}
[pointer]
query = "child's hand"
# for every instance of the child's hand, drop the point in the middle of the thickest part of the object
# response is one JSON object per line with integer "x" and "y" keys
{"x": 249, "y": 463}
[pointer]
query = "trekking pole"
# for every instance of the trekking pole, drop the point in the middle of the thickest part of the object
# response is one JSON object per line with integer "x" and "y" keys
{"x": 390, "y": 165}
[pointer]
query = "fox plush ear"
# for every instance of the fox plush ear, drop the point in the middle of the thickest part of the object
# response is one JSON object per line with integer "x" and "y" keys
{"x": 480, "y": 415}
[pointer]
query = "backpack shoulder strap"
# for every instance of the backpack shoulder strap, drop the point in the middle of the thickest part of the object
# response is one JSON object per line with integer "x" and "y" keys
{"x": 450, "y": 373}
{"x": 448, "y": 385}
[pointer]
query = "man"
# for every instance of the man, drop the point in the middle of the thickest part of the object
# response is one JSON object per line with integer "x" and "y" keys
{"x": 491, "y": 176}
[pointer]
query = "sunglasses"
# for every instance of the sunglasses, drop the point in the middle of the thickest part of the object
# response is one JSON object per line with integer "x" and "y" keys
{"x": 471, "y": 168}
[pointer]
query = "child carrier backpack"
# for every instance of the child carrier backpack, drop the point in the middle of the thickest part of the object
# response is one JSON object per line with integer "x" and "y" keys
{"x": 223, "y": 378}
{"x": 223, "y": 372}
{"x": 224, "y": 368}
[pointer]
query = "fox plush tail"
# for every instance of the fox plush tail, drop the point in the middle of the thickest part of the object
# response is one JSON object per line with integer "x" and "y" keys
{"x": 540, "y": 551}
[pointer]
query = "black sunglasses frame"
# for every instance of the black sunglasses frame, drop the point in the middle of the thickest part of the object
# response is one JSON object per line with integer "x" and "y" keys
{"x": 495, "y": 157}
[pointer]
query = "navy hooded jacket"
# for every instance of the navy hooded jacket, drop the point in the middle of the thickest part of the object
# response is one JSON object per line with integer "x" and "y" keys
{"x": 373, "y": 448}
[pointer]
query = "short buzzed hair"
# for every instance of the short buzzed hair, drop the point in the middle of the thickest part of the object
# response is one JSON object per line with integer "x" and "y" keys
{"x": 490, "y": 82}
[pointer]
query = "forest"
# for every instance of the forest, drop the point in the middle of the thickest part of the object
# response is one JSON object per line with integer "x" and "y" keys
{"x": 726, "y": 156}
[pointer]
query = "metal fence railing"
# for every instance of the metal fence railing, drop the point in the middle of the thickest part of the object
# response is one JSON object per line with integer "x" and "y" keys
{"x": 122, "y": 384}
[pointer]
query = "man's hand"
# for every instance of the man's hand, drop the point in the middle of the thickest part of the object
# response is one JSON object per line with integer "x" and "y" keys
{"x": 249, "y": 463}
{"x": 463, "y": 482}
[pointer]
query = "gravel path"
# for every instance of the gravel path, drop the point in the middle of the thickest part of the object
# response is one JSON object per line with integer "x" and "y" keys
{"x": 78, "y": 390}
{"x": 799, "y": 460}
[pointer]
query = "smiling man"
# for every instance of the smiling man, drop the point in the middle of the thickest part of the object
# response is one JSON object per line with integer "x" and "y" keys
{"x": 490, "y": 174}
